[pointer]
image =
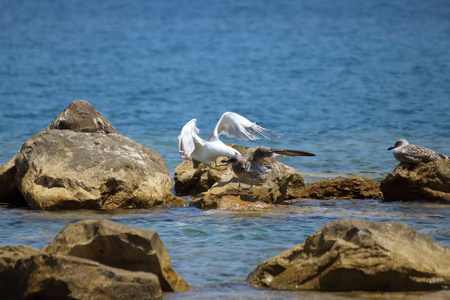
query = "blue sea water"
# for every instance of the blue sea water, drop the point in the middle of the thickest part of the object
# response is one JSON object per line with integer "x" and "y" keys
{"x": 342, "y": 79}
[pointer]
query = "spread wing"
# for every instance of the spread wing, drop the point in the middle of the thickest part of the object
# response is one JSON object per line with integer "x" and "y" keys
{"x": 292, "y": 152}
{"x": 236, "y": 126}
{"x": 262, "y": 152}
{"x": 186, "y": 138}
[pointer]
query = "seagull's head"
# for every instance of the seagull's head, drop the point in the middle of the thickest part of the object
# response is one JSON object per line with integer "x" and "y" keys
{"x": 399, "y": 143}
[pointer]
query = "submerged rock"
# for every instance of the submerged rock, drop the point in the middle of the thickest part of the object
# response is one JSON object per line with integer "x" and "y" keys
{"x": 425, "y": 181}
{"x": 340, "y": 188}
{"x": 118, "y": 246}
{"x": 270, "y": 189}
{"x": 353, "y": 254}
{"x": 80, "y": 162}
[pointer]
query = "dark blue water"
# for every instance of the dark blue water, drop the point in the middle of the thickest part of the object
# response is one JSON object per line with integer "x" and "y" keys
{"x": 342, "y": 79}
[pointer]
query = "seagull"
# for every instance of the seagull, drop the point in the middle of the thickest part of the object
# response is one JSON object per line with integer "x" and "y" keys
{"x": 251, "y": 168}
{"x": 232, "y": 125}
{"x": 412, "y": 154}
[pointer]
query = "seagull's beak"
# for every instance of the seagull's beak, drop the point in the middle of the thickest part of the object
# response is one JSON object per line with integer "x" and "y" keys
{"x": 226, "y": 161}
{"x": 390, "y": 148}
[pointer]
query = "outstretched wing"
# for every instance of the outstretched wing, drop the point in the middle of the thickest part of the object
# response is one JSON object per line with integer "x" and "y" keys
{"x": 186, "y": 138}
{"x": 292, "y": 152}
{"x": 236, "y": 126}
{"x": 262, "y": 152}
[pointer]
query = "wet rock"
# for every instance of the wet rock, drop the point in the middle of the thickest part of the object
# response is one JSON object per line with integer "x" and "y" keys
{"x": 271, "y": 188}
{"x": 118, "y": 246}
{"x": 229, "y": 202}
{"x": 353, "y": 254}
{"x": 340, "y": 188}
{"x": 425, "y": 181}
{"x": 47, "y": 276}
{"x": 80, "y": 162}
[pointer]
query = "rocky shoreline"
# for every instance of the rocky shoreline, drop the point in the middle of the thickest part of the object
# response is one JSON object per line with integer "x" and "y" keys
{"x": 80, "y": 161}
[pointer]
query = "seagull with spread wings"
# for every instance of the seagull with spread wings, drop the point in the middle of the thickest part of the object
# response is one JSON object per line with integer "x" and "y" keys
{"x": 230, "y": 124}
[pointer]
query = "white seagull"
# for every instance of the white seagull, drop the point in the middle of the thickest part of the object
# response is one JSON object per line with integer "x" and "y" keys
{"x": 232, "y": 125}
{"x": 412, "y": 154}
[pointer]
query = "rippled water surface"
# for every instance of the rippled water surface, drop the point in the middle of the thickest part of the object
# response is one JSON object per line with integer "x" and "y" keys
{"x": 341, "y": 79}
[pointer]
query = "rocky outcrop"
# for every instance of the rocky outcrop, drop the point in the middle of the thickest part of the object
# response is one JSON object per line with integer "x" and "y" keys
{"x": 80, "y": 116}
{"x": 118, "y": 246}
{"x": 90, "y": 260}
{"x": 80, "y": 162}
{"x": 270, "y": 189}
{"x": 425, "y": 181}
{"x": 193, "y": 177}
{"x": 352, "y": 254}
{"x": 340, "y": 188}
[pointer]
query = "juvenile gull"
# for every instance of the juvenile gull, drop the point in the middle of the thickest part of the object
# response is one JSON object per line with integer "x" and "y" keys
{"x": 251, "y": 168}
{"x": 412, "y": 154}
{"x": 232, "y": 125}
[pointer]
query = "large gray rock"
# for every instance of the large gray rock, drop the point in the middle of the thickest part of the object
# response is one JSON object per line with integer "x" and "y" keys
{"x": 352, "y": 254}
{"x": 48, "y": 276}
{"x": 425, "y": 181}
{"x": 118, "y": 246}
{"x": 80, "y": 162}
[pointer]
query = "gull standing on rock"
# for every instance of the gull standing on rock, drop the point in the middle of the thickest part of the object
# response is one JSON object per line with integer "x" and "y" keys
{"x": 412, "y": 154}
{"x": 252, "y": 168}
{"x": 232, "y": 125}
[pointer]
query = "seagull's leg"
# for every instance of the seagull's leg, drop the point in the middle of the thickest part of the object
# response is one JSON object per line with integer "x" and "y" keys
{"x": 247, "y": 189}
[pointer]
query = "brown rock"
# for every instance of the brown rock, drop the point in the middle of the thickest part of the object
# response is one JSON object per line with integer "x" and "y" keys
{"x": 193, "y": 177}
{"x": 118, "y": 246}
{"x": 271, "y": 189}
{"x": 229, "y": 202}
{"x": 80, "y": 162}
{"x": 340, "y": 188}
{"x": 352, "y": 254}
{"x": 62, "y": 169}
{"x": 425, "y": 181}
{"x": 8, "y": 187}
{"x": 47, "y": 276}
{"x": 10, "y": 254}
{"x": 80, "y": 116}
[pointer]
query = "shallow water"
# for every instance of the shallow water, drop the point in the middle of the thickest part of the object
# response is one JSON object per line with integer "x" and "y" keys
{"x": 341, "y": 79}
